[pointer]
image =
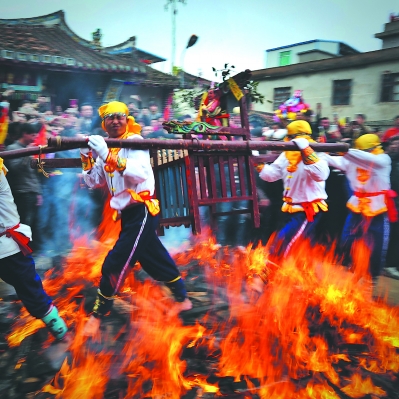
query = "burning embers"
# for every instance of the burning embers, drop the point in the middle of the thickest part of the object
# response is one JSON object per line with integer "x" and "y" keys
{"x": 315, "y": 331}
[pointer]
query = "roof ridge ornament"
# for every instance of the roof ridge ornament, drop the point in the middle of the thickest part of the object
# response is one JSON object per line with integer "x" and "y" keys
{"x": 97, "y": 35}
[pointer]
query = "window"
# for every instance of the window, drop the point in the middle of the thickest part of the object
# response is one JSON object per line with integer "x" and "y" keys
{"x": 59, "y": 60}
{"x": 22, "y": 56}
{"x": 342, "y": 92}
{"x": 8, "y": 54}
{"x": 285, "y": 58}
{"x": 390, "y": 87}
{"x": 280, "y": 95}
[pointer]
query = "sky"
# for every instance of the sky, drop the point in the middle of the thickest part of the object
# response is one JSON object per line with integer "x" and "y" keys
{"x": 237, "y": 32}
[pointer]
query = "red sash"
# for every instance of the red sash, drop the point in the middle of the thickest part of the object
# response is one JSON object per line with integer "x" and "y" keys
{"x": 389, "y": 200}
{"x": 21, "y": 239}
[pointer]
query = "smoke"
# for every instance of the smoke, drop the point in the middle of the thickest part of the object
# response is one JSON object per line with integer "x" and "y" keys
{"x": 70, "y": 210}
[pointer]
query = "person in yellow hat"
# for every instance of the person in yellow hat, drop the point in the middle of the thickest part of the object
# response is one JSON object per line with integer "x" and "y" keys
{"x": 371, "y": 205}
{"x": 303, "y": 174}
{"x": 130, "y": 180}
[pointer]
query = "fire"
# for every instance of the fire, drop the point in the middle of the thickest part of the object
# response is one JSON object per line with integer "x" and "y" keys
{"x": 85, "y": 378}
{"x": 314, "y": 332}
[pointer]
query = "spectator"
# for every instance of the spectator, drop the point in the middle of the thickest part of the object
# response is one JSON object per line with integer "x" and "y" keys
{"x": 146, "y": 131}
{"x": 134, "y": 106}
{"x": 43, "y": 104}
{"x": 392, "y": 131}
{"x": 275, "y": 133}
{"x": 24, "y": 180}
{"x": 145, "y": 117}
{"x": 85, "y": 122}
{"x": 361, "y": 121}
{"x": 58, "y": 110}
{"x": 328, "y": 133}
{"x": 392, "y": 261}
{"x": 356, "y": 129}
{"x": 155, "y": 125}
{"x": 69, "y": 123}
{"x": 27, "y": 108}
{"x": 154, "y": 113}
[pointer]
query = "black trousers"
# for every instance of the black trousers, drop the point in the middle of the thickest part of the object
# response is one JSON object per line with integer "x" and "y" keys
{"x": 19, "y": 271}
{"x": 393, "y": 246}
{"x": 138, "y": 241}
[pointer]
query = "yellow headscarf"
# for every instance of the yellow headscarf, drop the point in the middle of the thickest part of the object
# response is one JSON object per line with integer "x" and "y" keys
{"x": 117, "y": 106}
{"x": 301, "y": 129}
{"x": 2, "y": 167}
{"x": 369, "y": 142}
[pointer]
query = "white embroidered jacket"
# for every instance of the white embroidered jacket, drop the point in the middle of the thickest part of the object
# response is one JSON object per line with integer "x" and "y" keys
{"x": 306, "y": 184}
{"x": 367, "y": 173}
{"x": 137, "y": 176}
{"x": 9, "y": 218}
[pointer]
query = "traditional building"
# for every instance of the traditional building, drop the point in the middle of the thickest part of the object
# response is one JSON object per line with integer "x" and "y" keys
{"x": 42, "y": 55}
{"x": 342, "y": 83}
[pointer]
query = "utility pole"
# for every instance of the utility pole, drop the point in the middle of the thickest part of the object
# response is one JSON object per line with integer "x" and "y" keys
{"x": 173, "y": 4}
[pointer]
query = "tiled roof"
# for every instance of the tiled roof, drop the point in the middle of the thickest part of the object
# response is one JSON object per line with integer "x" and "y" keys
{"x": 130, "y": 45}
{"x": 47, "y": 40}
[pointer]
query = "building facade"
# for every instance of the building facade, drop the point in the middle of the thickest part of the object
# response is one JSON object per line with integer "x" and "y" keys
{"x": 365, "y": 83}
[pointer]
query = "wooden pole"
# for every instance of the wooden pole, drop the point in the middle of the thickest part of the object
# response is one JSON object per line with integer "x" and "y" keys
{"x": 62, "y": 144}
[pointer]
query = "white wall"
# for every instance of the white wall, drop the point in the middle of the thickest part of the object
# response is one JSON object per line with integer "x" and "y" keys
{"x": 317, "y": 88}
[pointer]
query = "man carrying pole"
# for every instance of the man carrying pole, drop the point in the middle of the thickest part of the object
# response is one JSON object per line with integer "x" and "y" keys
{"x": 17, "y": 266}
{"x": 304, "y": 175}
{"x": 372, "y": 206}
{"x": 130, "y": 179}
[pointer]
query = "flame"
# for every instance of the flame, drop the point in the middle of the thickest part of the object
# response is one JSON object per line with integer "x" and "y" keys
{"x": 314, "y": 320}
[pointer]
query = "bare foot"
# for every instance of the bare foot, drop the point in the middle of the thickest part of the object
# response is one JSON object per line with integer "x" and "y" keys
{"x": 180, "y": 307}
{"x": 91, "y": 327}
{"x": 58, "y": 351}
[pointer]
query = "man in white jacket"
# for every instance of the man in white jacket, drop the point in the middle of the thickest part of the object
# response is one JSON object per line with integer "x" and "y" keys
{"x": 17, "y": 266}
{"x": 303, "y": 174}
{"x": 130, "y": 180}
{"x": 368, "y": 170}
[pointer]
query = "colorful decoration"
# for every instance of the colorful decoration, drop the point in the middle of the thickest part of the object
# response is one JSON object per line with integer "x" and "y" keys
{"x": 289, "y": 108}
{"x": 3, "y": 121}
{"x": 210, "y": 108}
{"x": 177, "y": 127}
{"x": 235, "y": 89}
